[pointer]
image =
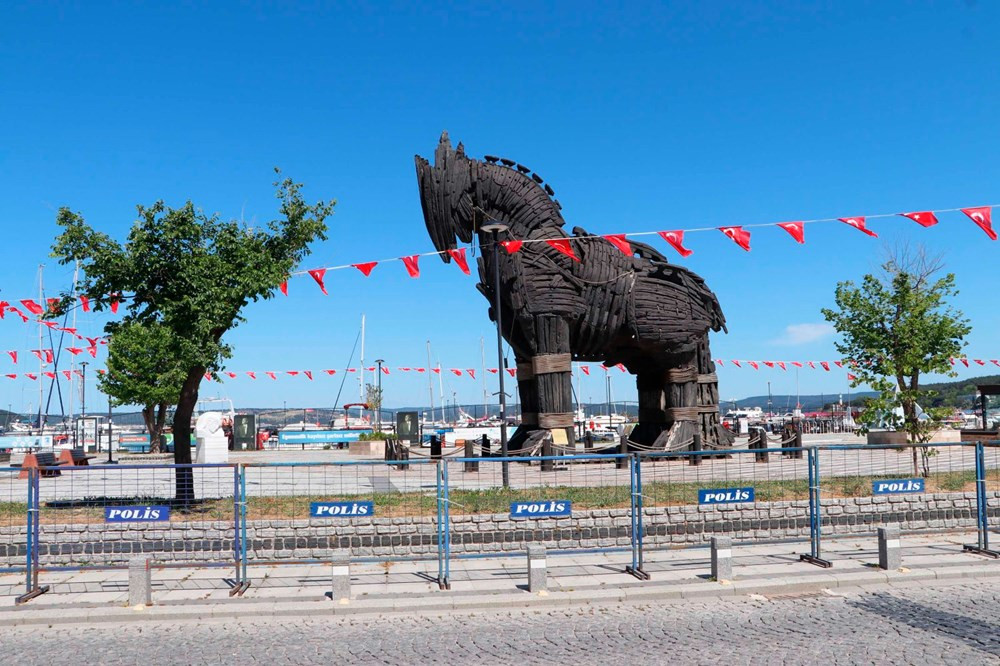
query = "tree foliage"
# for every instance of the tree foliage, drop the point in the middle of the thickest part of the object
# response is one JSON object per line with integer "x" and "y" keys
{"x": 895, "y": 328}
{"x": 191, "y": 274}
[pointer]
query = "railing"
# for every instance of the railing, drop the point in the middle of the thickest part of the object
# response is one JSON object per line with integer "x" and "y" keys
{"x": 437, "y": 509}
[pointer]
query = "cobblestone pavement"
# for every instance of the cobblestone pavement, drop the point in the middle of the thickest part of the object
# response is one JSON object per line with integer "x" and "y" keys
{"x": 932, "y": 625}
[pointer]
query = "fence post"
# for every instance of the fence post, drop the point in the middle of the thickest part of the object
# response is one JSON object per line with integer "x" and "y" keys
{"x": 635, "y": 478}
{"x": 547, "y": 464}
{"x": 815, "y": 519}
{"x": 470, "y": 452}
{"x": 240, "y": 530}
{"x": 982, "y": 518}
{"x": 443, "y": 526}
{"x": 32, "y": 533}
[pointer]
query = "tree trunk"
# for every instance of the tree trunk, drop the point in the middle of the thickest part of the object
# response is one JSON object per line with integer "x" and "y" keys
{"x": 161, "y": 418}
{"x": 184, "y": 477}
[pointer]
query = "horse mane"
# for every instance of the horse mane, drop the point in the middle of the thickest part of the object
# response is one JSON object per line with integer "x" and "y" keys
{"x": 512, "y": 193}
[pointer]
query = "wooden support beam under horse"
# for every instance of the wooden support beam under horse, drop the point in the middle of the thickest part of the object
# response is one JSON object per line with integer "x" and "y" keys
{"x": 604, "y": 305}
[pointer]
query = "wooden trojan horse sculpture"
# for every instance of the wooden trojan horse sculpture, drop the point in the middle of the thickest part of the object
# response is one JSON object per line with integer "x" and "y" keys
{"x": 635, "y": 309}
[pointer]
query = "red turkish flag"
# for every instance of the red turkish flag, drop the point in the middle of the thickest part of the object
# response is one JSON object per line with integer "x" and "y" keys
{"x": 995, "y": 362}
{"x": 38, "y": 353}
{"x": 13, "y": 356}
{"x": 839, "y": 364}
{"x": 619, "y": 241}
{"x": 49, "y": 324}
{"x": 284, "y": 287}
{"x": 436, "y": 371}
{"x": 404, "y": 369}
{"x": 50, "y": 375}
{"x": 753, "y": 364}
{"x": 851, "y": 377}
{"x": 232, "y": 375}
{"x": 736, "y": 363}
{"x": 459, "y": 257}
{"x": 317, "y": 274}
{"x": 982, "y": 216}
{"x": 738, "y": 235}
{"x": 924, "y": 218}
{"x": 456, "y": 372}
{"x": 719, "y": 361}
{"x": 11, "y": 376}
{"x": 979, "y": 361}
{"x": 92, "y": 351}
{"x": 511, "y": 246}
{"x": 68, "y": 330}
{"x": 492, "y": 371}
{"x": 208, "y": 376}
{"x": 796, "y": 364}
{"x": 270, "y": 374}
{"x": 781, "y": 364}
{"x": 769, "y": 364}
{"x": 620, "y": 366}
{"x": 115, "y": 297}
{"x": 563, "y": 246}
{"x": 859, "y": 224}
{"x": 53, "y": 302}
{"x": 964, "y": 361}
{"x": 31, "y": 376}
{"x": 796, "y": 229}
{"x": 24, "y": 317}
{"x": 472, "y": 373}
{"x": 251, "y": 375}
{"x": 293, "y": 373}
{"x": 330, "y": 372}
{"x": 511, "y": 371}
{"x": 366, "y": 268}
{"x": 826, "y": 366}
{"x": 308, "y": 373}
{"x": 585, "y": 370}
{"x": 676, "y": 240}
{"x": 3, "y": 308}
{"x": 32, "y": 307}
{"x": 85, "y": 302}
{"x": 411, "y": 265}
{"x": 421, "y": 369}
{"x": 952, "y": 360}
{"x": 48, "y": 355}
{"x": 68, "y": 374}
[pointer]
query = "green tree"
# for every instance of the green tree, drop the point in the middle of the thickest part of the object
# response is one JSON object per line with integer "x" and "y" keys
{"x": 373, "y": 396}
{"x": 143, "y": 369}
{"x": 193, "y": 274}
{"x": 896, "y": 327}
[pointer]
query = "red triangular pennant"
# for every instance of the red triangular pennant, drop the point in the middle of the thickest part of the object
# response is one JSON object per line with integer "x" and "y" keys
{"x": 982, "y": 216}
{"x": 366, "y": 268}
{"x": 826, "y": 366}
{"x": 74, "y": 350}
{"x": 851, "y": 377}
{"x": 781, "y": 364}
{"x": 811, "y": 365}
{"x": 11, "y": 376}
{"x": 769, "y": 364}
{"x": 38, "y": 353}
{"x": 676, "y": 240}
{"x": 271, "y": 374}
{"x": 293, "y": 373}
{"x": 232, "y": 375}
{"x": 13, "y": 356}
{"x": 456, "y": 372}
{"x": 48, "y": 355}
{"x": 585, "y": 369}
{"x": 411, "y": 265}
{"x": 30, "y": 376}
{"x": 979, "y": 361}
{"x": 50, "y": 375}
{"x": 796, "y": 229}
{"x": 796, "y": 364}
{"x": 736, "y": 363}
{"x": 115, "y": 298}
{"x": 92, "y": 350}
{"x": 511, "y": 246}
{"x": 964, "y": 361}
{"x": 738, "y": 235}
{"x": 620, "y": 242}
{"x": 308, "y": 373}
{"x": 472, "y": 373}
{"x": 459, "y": 257}
{"x": 753, "y": 364}
{"x": 283, "y": 287}
{"x": 511, "y": 371}
{"x": 859, "y": 224}
{"x": 719, "y": 362}
{"x": 839, "y": 364}
{"x": 251, "y": 375}
{"x": 32, "y": 307}
{"x": 563, "y": 246}
{"x": 492, "y": 371}
{"x": 3, "y": 308}
{"x": 385, "y": 370}
{"x": 317, "y": 274}
{"x": 67, "y": 374}
{"x": 330, "y": 372}
{"x": 923, "y": 218}
{"x": 85, "y": 302}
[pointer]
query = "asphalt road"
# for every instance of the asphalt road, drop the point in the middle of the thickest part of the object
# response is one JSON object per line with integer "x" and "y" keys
{"x": 930, "y": 625}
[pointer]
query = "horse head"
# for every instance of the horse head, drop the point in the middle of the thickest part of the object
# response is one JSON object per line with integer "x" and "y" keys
{"x": 446, "y": 191}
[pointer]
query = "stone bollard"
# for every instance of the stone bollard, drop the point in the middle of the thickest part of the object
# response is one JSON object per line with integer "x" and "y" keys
{"x": 722, "y": 558}
{"x": 536, "y": 569}
{"x": 340, "y": 577}
{"x": 140, "y": 582}
{"x": 889, "y": 553}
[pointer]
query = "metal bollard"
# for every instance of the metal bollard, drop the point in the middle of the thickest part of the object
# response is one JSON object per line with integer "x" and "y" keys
{"x": 588, "y": 441}
{"x": 696, "y": 446}
{"x": 536, "y": 569}
{"x": 435, "y": 448}
{"x": 340, "y": 577}
{"x": 485, "y": 452}
{"x": 889, "y": 552}
{"x": 722, "y": 558}
{"x": 470, "y": 452}
{"x": 622, "y": 463}
{"x": 140, "y": 582}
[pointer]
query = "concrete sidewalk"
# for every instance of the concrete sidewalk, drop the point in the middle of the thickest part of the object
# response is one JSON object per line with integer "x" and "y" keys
{"x": 489, "y": 583}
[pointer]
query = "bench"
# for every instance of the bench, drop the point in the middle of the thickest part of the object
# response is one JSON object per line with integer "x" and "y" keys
{"x": 75, "y": 457}
{"x": 46, "y": 461}
{"x": 5, "y": 458}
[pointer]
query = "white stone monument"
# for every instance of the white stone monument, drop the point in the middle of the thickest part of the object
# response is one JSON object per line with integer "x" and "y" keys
{"x": 212, "y": 444}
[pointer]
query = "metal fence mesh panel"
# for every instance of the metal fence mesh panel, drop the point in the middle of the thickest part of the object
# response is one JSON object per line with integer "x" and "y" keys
{"x": 400, "y": 523}
{"x": 917, "y": 487}
{"x": 991, "y": 464}
{"x": 597, "y": 488}
{"x": 13, "y": 519}
{"x": 97, "y": 516}
{"x": 674, "y": 515}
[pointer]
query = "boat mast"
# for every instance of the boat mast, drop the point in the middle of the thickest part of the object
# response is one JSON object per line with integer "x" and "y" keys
{"x": 72, "y": 359}
{"x": 441, "y": 389}
{"x": 482, "y": 352}
{"x": 361, "y": 370}
{"x": 430, "y": 380}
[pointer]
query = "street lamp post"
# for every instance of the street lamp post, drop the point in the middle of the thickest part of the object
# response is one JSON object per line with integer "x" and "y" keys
{"x": 608, "y": 379}
{"x": 378, "y": 415}
{"x": 494, "y": 229}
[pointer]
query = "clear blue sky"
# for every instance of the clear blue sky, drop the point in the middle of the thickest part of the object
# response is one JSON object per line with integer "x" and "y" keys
{"x": 643, "y": 117}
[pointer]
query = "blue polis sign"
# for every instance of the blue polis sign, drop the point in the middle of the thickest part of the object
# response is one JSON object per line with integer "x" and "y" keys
{"x": 341, "y": 509}
{"x": 725, "y": 495}
{"x": 897, "y": 486}
{"x": 136, "y": 514}
{"x": 541, "y": 509}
